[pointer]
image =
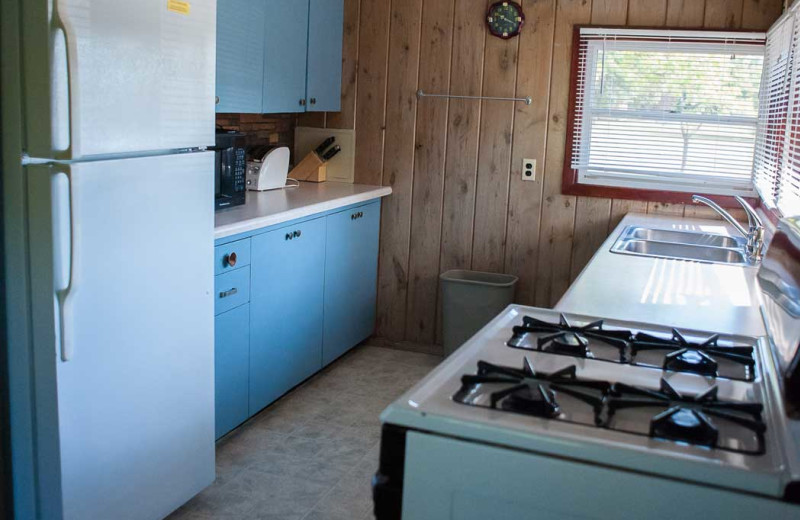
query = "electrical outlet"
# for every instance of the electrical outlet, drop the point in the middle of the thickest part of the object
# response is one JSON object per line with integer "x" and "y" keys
{"x": 528, "y": 169}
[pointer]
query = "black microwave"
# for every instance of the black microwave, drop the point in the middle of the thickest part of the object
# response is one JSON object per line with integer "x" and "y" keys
{"x": 231, "y": 165}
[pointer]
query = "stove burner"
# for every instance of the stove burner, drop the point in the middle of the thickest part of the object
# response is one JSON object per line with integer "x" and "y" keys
{"x": 540, "y": 402}
{"x": 681, "y": 424}
{"x": 687, "y": 418}
{"x": 569, "y": 339}
{"x": 691, "y": 360}
{"x": 570, "y": 343}
{"x": 531, "y": 392}
{"x": 696, "y": 358}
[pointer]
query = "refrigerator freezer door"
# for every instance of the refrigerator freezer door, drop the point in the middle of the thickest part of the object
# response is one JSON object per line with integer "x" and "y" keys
{"x": 125, "y": 77}
{"x": 136, "y": 396}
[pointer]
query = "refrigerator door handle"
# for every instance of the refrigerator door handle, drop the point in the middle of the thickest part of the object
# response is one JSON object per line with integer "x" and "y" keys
{"x": 61, "y": 116}
{"x": 65, "y": 251}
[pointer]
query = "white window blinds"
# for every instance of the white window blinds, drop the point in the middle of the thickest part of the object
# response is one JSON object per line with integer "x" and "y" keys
{"x": 667, "y": 110}
{"x": 776, "y": 168}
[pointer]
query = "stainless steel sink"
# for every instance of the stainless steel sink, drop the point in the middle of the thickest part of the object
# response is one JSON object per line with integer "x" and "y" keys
{"x": 720, "y": 255}
{"x": 681, "y": 245}
{"x": 683, "y": 237}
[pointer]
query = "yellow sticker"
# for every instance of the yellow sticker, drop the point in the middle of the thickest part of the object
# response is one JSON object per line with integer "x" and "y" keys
{"x": 178, "y": 6}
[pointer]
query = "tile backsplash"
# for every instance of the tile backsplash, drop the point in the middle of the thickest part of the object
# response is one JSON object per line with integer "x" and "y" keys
{"x": 262, "y": 129}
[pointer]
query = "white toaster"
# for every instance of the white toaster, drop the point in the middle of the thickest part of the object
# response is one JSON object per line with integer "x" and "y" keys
{"x": 270, "y": 172}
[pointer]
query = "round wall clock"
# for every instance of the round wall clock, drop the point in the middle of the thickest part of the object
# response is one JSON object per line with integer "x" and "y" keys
{"x": 505, "y": 19}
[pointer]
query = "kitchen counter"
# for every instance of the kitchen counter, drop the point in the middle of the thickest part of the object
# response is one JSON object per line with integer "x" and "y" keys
{"x": 272, "y": 207}
{"x": 682, "y": 294}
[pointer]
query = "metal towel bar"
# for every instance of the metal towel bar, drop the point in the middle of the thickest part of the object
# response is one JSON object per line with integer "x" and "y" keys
{"x": 421, "y": 94}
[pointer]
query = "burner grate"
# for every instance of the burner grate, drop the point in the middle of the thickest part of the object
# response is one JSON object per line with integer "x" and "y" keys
{"x": 565, "y": 338}
{"x": 703, "y": 358}
{"x": 702, "y": 420}
{"x": 530, "y": 392}
{"x": 674, "y": 354}
{"x": 690, "y": 419}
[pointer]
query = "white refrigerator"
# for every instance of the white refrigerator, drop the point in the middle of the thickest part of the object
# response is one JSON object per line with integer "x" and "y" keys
{"x": 117, "y": 105}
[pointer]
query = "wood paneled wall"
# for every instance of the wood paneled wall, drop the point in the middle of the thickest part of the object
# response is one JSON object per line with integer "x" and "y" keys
{"x": 454, "y": 165}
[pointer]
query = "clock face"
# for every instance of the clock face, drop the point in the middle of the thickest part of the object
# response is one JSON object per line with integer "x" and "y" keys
{"x": 505, "y": 19}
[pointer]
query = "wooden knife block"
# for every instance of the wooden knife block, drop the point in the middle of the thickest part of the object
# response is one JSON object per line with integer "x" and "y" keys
{"x": 311, "y": 169}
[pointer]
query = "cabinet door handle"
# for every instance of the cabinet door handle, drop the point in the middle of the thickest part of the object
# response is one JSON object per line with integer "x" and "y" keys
{"x": 302, "y": 102}
{"x": 229, "y": 292}
{"x": 230, "y": 260}
{"x": 289, "y": 236}
{"x": 216, "y": 100}
{"x": 297, "y": 233}
{"x": 313, "y": 101}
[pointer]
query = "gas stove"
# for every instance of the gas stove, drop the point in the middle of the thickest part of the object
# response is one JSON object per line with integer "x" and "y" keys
{"x": 682, "y": 404}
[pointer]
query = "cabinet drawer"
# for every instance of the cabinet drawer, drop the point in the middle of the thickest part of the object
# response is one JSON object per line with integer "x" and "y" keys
{"x": 231, "y": 289}
{"x": 231, "y": 256}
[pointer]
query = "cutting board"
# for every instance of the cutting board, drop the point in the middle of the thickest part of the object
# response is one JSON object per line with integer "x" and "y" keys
{"x": 341, "y": 167}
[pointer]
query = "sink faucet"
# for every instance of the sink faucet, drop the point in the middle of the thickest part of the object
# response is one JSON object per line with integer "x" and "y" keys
{"x": 755, "y": 233}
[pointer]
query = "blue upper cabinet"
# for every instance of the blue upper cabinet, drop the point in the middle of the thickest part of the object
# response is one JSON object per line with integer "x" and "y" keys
{"x": 279, "y": 55}
{"x": 351, "y": 273}
{"x": 285, "y": 52}
{"x": 287, "y": 269}
{"x": 240, "y": 55}
{"x": 324, "y": 82}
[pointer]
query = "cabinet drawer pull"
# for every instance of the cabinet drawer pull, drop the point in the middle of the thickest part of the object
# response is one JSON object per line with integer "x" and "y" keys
{"x": 229, "y": 292}
{"x": 229, "y": 260}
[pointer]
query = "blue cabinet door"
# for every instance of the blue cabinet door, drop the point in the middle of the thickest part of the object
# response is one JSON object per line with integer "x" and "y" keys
{"x": 231, "y": 368}
{"x": 325, "y": 33}
{"x": 351, "y": 272}
{"x": 285, "y": 49}
{"x": 287, "y": 269}
{"x": 240, "y": 55}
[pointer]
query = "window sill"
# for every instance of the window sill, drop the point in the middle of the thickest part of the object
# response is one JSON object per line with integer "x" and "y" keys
{"x": 570, "y": 186}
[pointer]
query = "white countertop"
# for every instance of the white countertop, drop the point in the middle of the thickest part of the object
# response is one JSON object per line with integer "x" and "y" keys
{"x": 682, "y": 294}
{"x": 268, "y": 208}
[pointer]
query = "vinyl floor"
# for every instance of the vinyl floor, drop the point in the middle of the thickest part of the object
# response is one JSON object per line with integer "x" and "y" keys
{"x": 311, "y": 455}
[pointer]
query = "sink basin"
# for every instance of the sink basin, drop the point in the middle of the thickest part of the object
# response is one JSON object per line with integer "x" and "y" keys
{"x": 682, "y": 237}
{"x": 681, "y": 245}
{"x": 720, "y": 255}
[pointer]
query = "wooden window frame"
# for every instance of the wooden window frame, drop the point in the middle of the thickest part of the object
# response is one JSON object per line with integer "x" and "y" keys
{"x": 570, "y": 184}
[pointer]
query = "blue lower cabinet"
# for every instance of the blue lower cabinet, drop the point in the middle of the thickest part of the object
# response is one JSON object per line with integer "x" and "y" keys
{"x": 231, "y": 368}
{"x": 351, "y": 272}
{"x": 287, "y": 269}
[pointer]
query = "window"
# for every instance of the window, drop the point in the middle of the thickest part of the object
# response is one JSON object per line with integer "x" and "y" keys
{"x": 662, "y": 114}
{"x": 776, "y": 169}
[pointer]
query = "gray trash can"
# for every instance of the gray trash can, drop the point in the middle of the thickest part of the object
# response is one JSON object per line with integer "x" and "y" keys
{"x": 470, "y": 300}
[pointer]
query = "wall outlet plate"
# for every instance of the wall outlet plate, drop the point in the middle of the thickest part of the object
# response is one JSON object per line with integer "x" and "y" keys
{"x": 528, "y": 169}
